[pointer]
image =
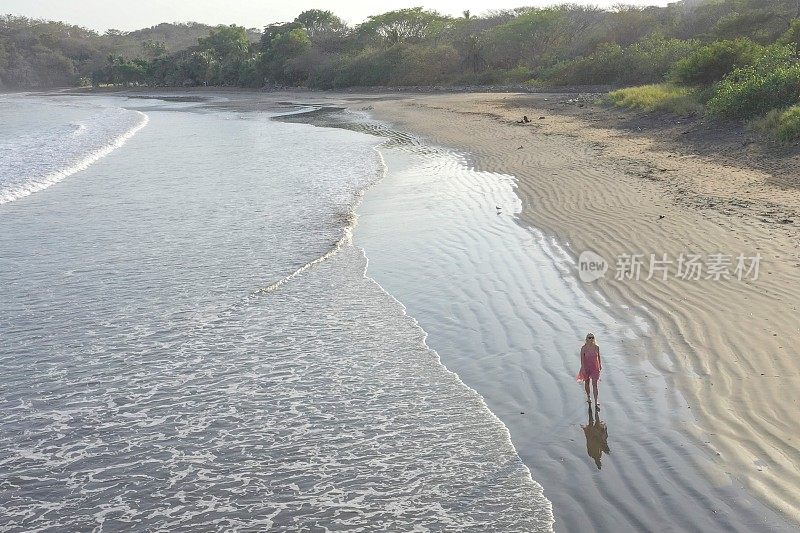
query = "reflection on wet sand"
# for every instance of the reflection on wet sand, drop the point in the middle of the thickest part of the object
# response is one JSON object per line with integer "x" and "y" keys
{"x": 596, "y": 437}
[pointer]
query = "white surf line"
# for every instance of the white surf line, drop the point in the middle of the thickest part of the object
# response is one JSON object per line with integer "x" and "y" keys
{"x": 345, "y": 240}
{"x": 60, "y": 175}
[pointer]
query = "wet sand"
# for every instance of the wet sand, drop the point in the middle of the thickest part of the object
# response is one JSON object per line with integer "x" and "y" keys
{"x": 725, "y": 348}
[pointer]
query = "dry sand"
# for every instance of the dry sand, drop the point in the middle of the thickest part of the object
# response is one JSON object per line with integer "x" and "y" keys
{"x": 729, "y": 347}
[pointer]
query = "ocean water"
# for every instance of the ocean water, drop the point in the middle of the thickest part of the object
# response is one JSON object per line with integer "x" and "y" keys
{"x": 171, "y": 361}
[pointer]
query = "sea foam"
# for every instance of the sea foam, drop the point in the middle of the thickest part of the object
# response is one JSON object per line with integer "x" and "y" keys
{"x": 40, "y": 158}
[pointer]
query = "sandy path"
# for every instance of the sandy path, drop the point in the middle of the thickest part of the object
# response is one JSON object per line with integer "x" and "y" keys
{"x": 727, "y": 346}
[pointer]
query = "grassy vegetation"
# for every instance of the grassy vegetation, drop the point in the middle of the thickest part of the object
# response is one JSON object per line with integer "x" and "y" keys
{"x": 767, "y": 124}
{"x": 659, "y": 97}
{"x": 781, "y": 124}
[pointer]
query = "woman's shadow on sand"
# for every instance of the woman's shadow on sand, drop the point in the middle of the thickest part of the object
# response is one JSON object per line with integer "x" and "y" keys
{"x": 596, "y": 437}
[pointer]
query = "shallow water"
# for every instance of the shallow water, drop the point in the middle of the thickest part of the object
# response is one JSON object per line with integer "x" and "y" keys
{"x": 148, "y": 379}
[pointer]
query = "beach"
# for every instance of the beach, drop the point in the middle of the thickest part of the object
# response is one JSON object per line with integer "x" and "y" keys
{"x": 464, "y": 254}
{"x": 725, "y": 349}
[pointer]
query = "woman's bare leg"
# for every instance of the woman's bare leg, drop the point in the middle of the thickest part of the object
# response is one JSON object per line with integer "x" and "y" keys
{"x": 595, "y": 389}
{"x": 587, "y": 389}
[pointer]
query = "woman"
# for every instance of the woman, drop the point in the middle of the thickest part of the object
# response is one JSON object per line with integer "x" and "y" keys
{"x": 590, "y": 366}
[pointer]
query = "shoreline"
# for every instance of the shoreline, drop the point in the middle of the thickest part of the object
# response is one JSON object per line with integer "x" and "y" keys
{"x": 576, "y": 107}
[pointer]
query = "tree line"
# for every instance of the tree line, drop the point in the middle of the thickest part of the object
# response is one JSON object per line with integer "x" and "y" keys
{"x": 559, "y": 45}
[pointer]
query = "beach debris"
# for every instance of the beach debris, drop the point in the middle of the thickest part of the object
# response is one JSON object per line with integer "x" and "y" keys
{"x": 524, "y": 120}
{"x": 519, "y": 148}
{"x": 662, "y": 217}
{"x": 542, "y": 118}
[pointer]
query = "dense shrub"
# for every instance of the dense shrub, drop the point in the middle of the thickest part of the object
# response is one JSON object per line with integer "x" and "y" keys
{"x": 604, "y": 66}
{"x": 772, "y": 82}
{"x": 792, "y": 35}
{"x": 423, "y": 65}
{"x": 399, "y": 64}
{"x": 710, "y": 63}
{"x": 762, "y": 24}
{"x": 647, "y": 61}
{"x": 372, "y": 66}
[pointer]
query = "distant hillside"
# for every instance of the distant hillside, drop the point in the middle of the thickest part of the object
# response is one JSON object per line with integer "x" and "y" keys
{"x": 38, "y": 53}
{"x": 175, "y": 37}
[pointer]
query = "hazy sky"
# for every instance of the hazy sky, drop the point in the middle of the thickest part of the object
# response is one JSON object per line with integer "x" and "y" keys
{"x": 133, "y": 14}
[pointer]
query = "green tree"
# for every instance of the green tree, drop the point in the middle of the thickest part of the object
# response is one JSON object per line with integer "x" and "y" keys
{"x": 226, "y": 41}
{"x": 202, "y": 67}
{"x": 152, "y": 49}
{"x": 403, "y": 25}
{"x": 282, "y": 57}
{"x": 318, "y": 23}
{"x": 538, "y": 37}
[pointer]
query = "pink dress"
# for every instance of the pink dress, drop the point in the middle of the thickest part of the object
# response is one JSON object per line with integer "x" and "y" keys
{"x": 590, "y": 363}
